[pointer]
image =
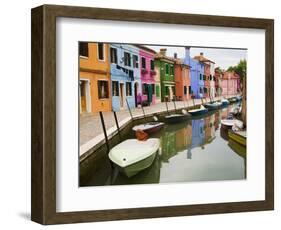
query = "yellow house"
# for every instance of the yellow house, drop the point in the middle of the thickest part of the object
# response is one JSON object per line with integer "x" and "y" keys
{"x": 94, "y": 77}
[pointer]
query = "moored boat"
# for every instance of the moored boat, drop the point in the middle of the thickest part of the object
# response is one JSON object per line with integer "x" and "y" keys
{"x": 213, "y": 106}
{"x": 227, "y": 123}
{"x": 196, "y": 112}
{"x": 150, "y": 127}
{"x": 224, "y": 102}
{"x": 132, "y": 156}
{"x": 238, "y": 136}
{"x": 238, "y": 148}
{"x": 176, "y": 118}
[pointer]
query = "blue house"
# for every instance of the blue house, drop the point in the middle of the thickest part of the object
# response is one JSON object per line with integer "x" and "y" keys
{"x": 125, "y": 76}
{"x": 196, "y": 74}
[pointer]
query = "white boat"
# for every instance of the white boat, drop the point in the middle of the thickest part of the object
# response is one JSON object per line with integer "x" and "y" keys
{"x": 227, "y": 123}
{"x": 132, "y": 156}
{"x": 149, "y": 127}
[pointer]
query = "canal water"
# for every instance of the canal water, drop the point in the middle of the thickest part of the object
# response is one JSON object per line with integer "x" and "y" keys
{"x": 192, "y": 151}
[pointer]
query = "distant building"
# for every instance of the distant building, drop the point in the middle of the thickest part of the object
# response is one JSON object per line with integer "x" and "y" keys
{"x": 230, "y": 83}
{"x": 94, "y": 81}
{"x": 182, "y": 79}
{"x": 165, "y": 66}
{"x": 218, "y": 77}
{"x": 125, "y": 76}
{"x": 196, "y": 74}
{"x": 147, "y": 75}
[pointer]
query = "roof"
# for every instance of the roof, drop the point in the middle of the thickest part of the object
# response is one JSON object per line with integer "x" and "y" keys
{"x": 201, "y": 58}
{"x": 233, "y": 75}
{"x": 179, "y": 61}
{"x": 166, "y": 58}
{"x": 146, "y": 49}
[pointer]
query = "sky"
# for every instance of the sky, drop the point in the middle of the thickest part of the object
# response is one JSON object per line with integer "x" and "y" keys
{"x": 223, "y": 58}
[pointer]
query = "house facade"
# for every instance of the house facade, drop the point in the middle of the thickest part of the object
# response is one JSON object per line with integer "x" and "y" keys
{"x": 217, "y": 81}
{"x": 196, "y": 74}
{"x": 148, "y": 74}
{"x": 208, "y": 76}
{"x": 167, "y": 77}
{"x": 125, "y": 76}
{"x": 94, "y": 81}
{"x": 182, "y": 80}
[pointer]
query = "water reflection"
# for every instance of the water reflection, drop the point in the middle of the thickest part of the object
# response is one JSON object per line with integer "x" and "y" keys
{"x": 190, "y": 151}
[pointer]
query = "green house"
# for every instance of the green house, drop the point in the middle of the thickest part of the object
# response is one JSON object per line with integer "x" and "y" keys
{"x": 166, "y": 69}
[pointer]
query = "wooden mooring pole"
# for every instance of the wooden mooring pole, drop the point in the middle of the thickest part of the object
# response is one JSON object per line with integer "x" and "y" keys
{"x": 129, "y": 109}
{"x": 117, "y": 125}
{"x": 167, "y": 107}
{"x": 104, "y": 131}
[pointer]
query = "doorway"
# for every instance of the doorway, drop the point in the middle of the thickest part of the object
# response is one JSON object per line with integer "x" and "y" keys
{"x": 136, "y": 86}
{"x": 122, "y": 95}
{"x": 85, "y": 97}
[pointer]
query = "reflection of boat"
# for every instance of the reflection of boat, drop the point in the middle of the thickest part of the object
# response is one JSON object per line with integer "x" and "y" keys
{"x": 238, "y": 136}
{"x": 232, "y": 100}
{"x": 176, "y": 118}
{"x": 213, "y": 106}
{"x": 132, "y": 156}
{"x": 150, "y": 127}
{"x": 195, "y": 112}
{"x": 239, "y": 98}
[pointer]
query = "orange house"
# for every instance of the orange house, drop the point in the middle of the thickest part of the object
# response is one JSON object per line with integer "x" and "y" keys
{"x": 182, "y": 80}
{"x": 94, "y": 77}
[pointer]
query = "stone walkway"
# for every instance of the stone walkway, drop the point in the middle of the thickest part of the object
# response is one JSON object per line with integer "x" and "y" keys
{"x": 91, "y": 131}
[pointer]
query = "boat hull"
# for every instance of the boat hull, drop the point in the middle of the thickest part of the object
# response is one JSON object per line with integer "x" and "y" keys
{"x": 238, "y": 148}
{"x": 212, "y": 106}
{"x": 199, "y": 112}
{"x": 152, "y": 129}
{"x": 137, "y": 167}
{"x": 237, "y": 137}
{"x": 177, "y": 119}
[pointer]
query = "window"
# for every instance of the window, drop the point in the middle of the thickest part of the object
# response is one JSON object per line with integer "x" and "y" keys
{"x": 201, "y": 90}
{"x": 103, "y": 89}
{"x": 144, "y": 88}
{"x": 200, "y": 76}
{"x": 83, "y": 49}
{"x": 151, "y": 64}
{"x": 189, "y": 90}
{"x": 128, "y": 89}
{"x": 211, "y": 78}
{"x": 100, "y": 51}
{"x": 172, "y": 70}
{"x": 143, "y": 63}
{"x": 157, "y": 91}
{"x": 167, "y": 68}
{"x": 113, "y": 55}
{"x": 205, "y": 90}
{"x": 204, "y": 77}
{"x": 115, "y": 88}
{"x": 135, "y": 61}
{"x": 167, "y": 90}
{"x": 127, "y": 59}
{"x": 185, "y": 90}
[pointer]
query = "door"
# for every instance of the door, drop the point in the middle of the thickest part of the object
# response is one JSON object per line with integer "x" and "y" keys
{"x": 83, "y": 96}
{"x": 122, "y": 95}
{"x": 136, "y": 93}
{"x": 149, "y": 94}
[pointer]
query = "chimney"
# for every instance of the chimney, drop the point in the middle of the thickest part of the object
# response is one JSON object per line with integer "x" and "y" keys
{"x": 175, "y": 55}
{"x": 187, "y": 55}
{"x": 163, "y": 51}
{"x": 201, "y": 53}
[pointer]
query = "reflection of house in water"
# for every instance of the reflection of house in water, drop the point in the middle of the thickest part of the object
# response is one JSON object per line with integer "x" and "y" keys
{"x": 198, "y": 136}
{"x": 217, "y": 119}
{"x": 183, "y": 138}
{"x": 168, "y": 142}
{"x": 209, "y": 128}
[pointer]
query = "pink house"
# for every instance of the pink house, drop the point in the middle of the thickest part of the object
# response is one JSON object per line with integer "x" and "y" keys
{"x": 147, "y": 75}
{"x": 230, "y": 83}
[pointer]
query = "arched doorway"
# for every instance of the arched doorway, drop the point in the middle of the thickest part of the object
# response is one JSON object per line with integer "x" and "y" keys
{"x": 136, "y": 88}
